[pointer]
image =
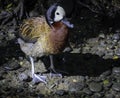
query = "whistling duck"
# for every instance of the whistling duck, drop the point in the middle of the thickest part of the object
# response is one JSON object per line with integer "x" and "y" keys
{"x": 44, "y": 36}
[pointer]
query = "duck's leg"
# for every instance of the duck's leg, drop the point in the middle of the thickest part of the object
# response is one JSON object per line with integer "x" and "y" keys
{"x": 36, "y": 78}
{"x": 53, "y": 72}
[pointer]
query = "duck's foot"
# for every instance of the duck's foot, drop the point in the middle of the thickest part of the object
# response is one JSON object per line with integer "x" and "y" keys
{"x": 56, "y": 73}
{"x": 39, "y": 78}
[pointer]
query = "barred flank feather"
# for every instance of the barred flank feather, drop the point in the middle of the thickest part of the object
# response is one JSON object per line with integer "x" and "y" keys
{"x": 33, "y": 28}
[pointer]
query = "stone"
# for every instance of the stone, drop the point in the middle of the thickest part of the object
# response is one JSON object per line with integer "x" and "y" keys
{"x": 60, "y": 92}
{"x": 76, "y": 86}
{"x": 101, "y": 36}
{"x": 107, "y": 83}
{"x": 116, "y": 37}
{"x": 116, "y": 70}
{"x": 24, "y": 77}
{"x": 109, "y": 96}
{"x": 87, "y": 91}
{"x": 116, "y": 86}
{"x": 95, "y": 87}
{"x": 12, "y": 65}
{"x": 104, "y": 74}
{"x": 97, "y": 95}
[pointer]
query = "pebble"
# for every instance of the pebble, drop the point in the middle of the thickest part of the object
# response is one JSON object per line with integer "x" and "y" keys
{"x": 95, "y": 87}
{"x": 117, "y": 31}
{"x": 117, "y": 96}
{"x": 116, "y": 37}
{"x": 117, "y": 52}
{"x": 107, "y": 83}
{"x": 87, "y": 91}
{"x": 40, "y": 96}
{"x": 76, "y": 86}
{"x": 12, "y": 65}
{"x": 24, "y": 77}
{"x": 79, "y": 78}
{"x": 102, "y": 36}
{"x": 118, "y": 79}
{"x": 25, "y": 84}
{"x": 60, "y": 92}
{"x": 109, "y": 96}
{"x": 20, "y": 90}
{"x": 22, "y": 69}
{"x": 97, "y": 95}
{"x": 116, "y": 70}
{"x": 116, "y": 86}
{"x": 105, "y": 74}
{"x": 67, "y": 49}
{"x": 76, "y": 50}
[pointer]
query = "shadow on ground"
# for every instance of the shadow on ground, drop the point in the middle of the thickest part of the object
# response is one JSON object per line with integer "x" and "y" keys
{"x": 82, "y": 64}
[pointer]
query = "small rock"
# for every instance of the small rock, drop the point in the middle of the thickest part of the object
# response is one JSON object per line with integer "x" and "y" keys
{"x": 22, "y": 69}
{"x": 117, "y": 52}
{"x": 115, "y": 57}
{"x": 67, "y": 49}
{"x": 40, "y": 96}
{"x": 109, "y": 96}
{"x": 81, "y": 78}
{"x": 97, "y": 95}
{"x": 12, "y": 65}
{"x": 100, "y": 53}
{"x": 117, "y": 31}
{"x": 25, "y": 85}
{"x": 60, "y": 92}
{"x": 118, "y": 79}
{"x": 76, "y": 86}
{"x": 87, "y": 91}
{"x": 24, "y": 77}
{"x": 116, "y": 70}
{"x": 102, "y": 43}
{"x": 11, "y": 34}
{"x": 102, "y": 36}
{"x": 95, "y": 87}
{"x": 104, "y": 74}
{"x": 116, "y": 86}
{"x": 107, "y": 83}
{"x": 116, "y": 37}
{"x": 76, "y": 50}
{"x": 117, "y": 96}
{"x": 20, "y": 90}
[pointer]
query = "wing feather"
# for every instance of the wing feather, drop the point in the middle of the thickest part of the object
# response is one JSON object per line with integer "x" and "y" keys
{"x": 33, "y": 28}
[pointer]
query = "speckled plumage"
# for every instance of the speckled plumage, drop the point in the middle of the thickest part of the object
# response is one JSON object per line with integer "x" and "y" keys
{"x": 38, "y": 39}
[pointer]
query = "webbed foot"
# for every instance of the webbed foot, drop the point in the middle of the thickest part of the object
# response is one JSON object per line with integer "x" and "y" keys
{"x": 39, "y": 78}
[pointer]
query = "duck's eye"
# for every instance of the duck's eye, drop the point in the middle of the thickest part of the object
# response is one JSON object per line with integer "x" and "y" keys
{"x": 57, "y": 13}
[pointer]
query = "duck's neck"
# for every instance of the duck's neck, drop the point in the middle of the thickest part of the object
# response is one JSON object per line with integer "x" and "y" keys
{"x": 60, "y": 32}
{"x": 59, "y": 37}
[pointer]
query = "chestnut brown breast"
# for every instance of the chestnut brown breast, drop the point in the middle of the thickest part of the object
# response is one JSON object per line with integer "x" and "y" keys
{"x": 59, "y": 37}
{"x": 38, "y": 39}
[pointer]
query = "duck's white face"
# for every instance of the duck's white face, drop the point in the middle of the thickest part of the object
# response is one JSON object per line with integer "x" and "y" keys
{"x": 59, "y": 14}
